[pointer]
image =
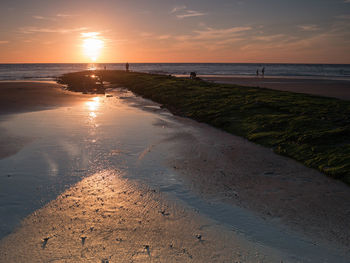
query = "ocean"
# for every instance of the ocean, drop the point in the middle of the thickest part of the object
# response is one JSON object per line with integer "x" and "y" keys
{"x": 50, "y": 71}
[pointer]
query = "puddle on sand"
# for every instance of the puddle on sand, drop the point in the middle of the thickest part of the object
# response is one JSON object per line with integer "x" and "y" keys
{"x": 107, "y": 133}
{"x": 68, "y": 144}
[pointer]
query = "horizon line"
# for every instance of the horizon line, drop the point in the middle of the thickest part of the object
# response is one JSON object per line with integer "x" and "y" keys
{"x": 297, "y": 63}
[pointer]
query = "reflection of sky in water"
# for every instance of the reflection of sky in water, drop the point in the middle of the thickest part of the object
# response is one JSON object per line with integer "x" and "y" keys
{"x": 69, "y": 143}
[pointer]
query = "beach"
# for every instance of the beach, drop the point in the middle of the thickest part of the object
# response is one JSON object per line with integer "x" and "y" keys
{"x": 19, "y": 97}
{"x": 191, "y": 193}
{"x": 168, "y": 131}
{"x": 107, "y": 219}
{"x": 322, "y": 87}
{"x": 25, "y": 96}
{"x": 105, "y": 213}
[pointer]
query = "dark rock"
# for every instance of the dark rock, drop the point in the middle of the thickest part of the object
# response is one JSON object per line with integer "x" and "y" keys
{"x": 199, "y": 237}
{"x": 45, "y": 240}
{"x": 83, "y": 240}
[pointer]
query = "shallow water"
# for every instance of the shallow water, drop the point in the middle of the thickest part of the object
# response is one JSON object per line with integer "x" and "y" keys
{"x": 135, "y": 137}
{"x": 68, "y": 144}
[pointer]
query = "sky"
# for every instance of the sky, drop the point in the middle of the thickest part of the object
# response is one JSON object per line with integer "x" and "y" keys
{"x": 232, "y": 31}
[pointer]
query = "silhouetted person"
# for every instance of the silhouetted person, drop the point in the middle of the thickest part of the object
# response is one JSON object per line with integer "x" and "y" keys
{"x": 127, "y": 67}
{"x": 193, "y": 75}
{"x": 257, "y": 72}
{"x": 105, "y": 67}
{"x": 263, "y": 71}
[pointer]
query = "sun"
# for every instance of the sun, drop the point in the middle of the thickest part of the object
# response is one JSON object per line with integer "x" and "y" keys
{"x": 92, "y": 45}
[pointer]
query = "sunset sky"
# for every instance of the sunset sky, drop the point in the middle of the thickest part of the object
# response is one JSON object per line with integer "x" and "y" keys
{"x": 300, "y": 31}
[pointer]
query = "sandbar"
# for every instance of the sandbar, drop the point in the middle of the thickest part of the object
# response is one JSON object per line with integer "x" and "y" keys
{"x": 323, "y": 87}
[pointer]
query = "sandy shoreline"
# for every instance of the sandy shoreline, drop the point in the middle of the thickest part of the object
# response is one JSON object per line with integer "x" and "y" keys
{"x": 329, "y": 88}
{"x": 239, "y": 172}
{"x": 17, "y": 97}
{"x": 106, "y": 219}
{"x": 215, "y": 164}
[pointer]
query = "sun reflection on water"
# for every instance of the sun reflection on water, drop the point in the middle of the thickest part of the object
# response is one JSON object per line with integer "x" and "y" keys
{"x": 93, "y": 105}
{"x": 91, "y": 67}
{"x": 92, "y": 115}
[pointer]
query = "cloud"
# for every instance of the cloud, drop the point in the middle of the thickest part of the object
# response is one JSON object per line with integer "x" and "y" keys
{"x": 211, "y": 33}
{"x": 178, "y": 8}
{"x": 162, "y": 37}
{"x": 53, "y": 18}
{"x": 208, "y": 36}
{"x": 39, "y": 17}
{"x": 190, "y": 13}
{"x": 268, "y": 38}
{"x": 149, "y": 35}
{"x": 146, "y": 34}
{"x": 44, "y": 18}
{"x": 182, "y": 12}
{"x": 32, "y": 30}
{"x": 204, "y": 38}
{"x": 65, "y": 15}
{"x": 343, "y": 17}
{"x": 283, "y": 44}
{"x": 4, "y": 42}
{"x": 346, "y": 1}
{"x": 96, "y": 36}
{"x": 210, "y": 39}
{"x": 90, "y": 34}
{"x": 309, "y": 27}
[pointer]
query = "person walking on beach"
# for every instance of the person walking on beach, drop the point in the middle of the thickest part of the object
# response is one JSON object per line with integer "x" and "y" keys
{"x": 257, "y": 72}
{"x": 127, "y": 67}
{"x": 263, "y": 71}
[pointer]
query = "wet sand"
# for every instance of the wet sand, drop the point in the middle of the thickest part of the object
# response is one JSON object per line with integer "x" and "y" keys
{"x": 105, "y": 217}
{"x": 329, "y": 88}
{"x": 231, "y": 169}
{"x": 18, "y": 97}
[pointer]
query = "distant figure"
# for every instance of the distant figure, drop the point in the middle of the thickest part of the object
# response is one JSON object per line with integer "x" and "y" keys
{"x": 263, "y": 71}
{"x": 193, "y": 75}
{"x": 105, "y": 67}
{"x": 127, "y": 67}
{"x": 257, "y": 72}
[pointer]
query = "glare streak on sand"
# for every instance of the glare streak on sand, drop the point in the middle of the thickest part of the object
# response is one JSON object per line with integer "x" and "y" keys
{"x": 108, "y": 218}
